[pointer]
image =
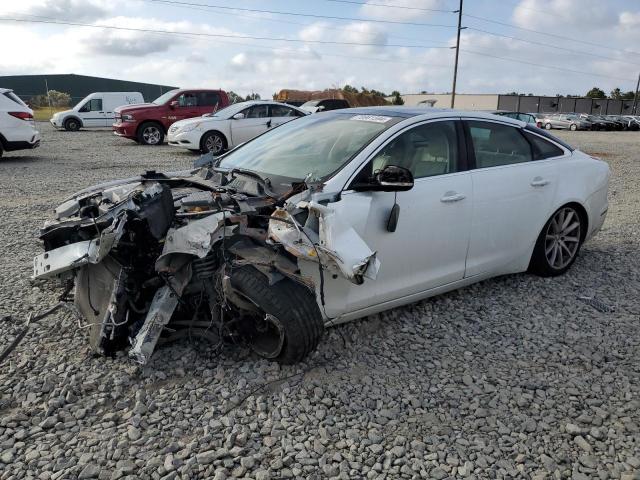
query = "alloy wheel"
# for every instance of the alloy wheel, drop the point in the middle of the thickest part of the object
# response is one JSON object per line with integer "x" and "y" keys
{"x": 151, "y": 135}
{"x": 562, "y": 238}
{"x": 214, "y": 144}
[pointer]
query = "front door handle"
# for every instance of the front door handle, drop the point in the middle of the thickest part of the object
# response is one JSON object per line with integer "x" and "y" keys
{"x": 269, "y": 124}
{"x": 539, "y": 182}
{"x": 451, "y": 197}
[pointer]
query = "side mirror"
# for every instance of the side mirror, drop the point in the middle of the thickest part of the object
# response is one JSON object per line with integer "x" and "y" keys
{"x": 238, "y": 116}
{"x": 173, "y": 104}
{"x": 394, "y": 179}
{"x": 390, "y": 179}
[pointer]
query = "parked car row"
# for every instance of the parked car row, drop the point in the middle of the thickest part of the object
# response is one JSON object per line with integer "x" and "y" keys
{"x": 583, "y": 121}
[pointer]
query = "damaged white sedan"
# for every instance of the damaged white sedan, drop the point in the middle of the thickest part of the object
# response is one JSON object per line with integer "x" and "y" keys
{"x": 326, "y": 219}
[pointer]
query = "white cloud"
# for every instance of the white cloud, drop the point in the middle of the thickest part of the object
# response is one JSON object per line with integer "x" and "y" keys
{"x": 72, "y": 10}
{"x": 401, "y": 11}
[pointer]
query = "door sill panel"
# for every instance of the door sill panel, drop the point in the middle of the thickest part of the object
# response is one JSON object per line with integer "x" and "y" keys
{"x": 414, "y": 297}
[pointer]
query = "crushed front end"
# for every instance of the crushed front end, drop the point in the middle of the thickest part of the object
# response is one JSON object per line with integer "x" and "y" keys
{"x": 199, "y": 253}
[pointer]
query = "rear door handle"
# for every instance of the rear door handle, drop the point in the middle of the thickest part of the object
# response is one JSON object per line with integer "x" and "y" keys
{"x": 539, "y": 182}
{"x": 451, "y": 197}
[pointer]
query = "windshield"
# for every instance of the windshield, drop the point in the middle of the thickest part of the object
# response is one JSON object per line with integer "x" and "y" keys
{"x": 230, "y": 111}
{"x": 316, "y": 145}
{"x": 165, "y": 97}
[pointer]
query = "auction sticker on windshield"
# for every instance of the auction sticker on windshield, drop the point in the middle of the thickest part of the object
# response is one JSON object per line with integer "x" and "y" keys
{"x": 371, "y": 118}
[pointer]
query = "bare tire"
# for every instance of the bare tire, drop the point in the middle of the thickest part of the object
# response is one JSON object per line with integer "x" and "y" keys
{"x": 72, "y": 125}
{"x": 292, "y": 324}
{"x": 1, "y": 150}
{"x": 559, "y": 243}
{"x": 548, "y": 126}
{"x": 150, "y": 133}
{"x": 573, "y": 127}
{"x": 213, "y": 142}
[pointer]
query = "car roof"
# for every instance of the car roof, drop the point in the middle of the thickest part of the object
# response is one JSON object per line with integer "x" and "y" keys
{"x": 424, "y": 113}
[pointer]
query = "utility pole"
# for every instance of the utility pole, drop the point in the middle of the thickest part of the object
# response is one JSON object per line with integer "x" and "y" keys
{"x": 635, "y": 98}
{"x": 455, "y": 67}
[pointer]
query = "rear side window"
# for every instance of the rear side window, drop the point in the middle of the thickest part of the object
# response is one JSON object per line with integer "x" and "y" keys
{"x": 496, "y": 145}
{"x": 208, "y": 99}
{"x": 14, "y": 98}
{"x": 542, "y": 148}
{"x": 282, "y": 111}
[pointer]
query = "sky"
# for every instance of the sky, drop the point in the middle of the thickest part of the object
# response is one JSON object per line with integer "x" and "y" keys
{"x": 385, "y": 45}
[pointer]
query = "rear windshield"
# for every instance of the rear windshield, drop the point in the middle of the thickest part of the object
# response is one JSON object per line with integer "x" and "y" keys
{"x": 13, "y": 97}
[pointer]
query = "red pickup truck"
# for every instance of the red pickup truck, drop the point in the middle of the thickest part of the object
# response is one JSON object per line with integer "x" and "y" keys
{"x": 147, "y": 123}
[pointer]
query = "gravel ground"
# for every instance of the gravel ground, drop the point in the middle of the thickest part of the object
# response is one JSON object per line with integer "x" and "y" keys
{"x": 511, "y": 378}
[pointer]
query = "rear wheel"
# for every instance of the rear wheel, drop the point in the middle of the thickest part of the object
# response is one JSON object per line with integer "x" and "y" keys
{"x": 150, "y": 133}
{"x": 72, "y": 125}
{"x": 547, "y": 126}
{"x": 287, "y": 325}
{"x": 573, "y": 127}
{"x": 559, "y": 242}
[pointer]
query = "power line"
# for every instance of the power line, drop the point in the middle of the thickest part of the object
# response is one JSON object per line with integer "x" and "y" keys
{"x": 288, "y": 22}
{"x": 214, "y": 35}
{"x": 392, "y": 6}
{"x": 556, "y": 47}
{"x": 593, "y": 44}
{"x": 296, "y": 14}
{"x": 544, "y": 66}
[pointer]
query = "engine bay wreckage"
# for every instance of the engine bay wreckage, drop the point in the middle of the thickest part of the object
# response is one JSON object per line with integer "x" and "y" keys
{"x": 205, "y": 252}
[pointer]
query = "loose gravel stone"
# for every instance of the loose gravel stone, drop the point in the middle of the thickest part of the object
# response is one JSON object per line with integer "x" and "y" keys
{"x": 514, "y": 377}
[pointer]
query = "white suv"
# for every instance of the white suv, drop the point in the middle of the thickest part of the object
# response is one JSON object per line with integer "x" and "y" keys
{"x": 17, "y": 126}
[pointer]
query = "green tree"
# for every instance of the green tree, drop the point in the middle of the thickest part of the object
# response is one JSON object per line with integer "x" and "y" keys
{"x": 57, "y": 99}
{"x": 349, "y": 89}
{"x": 253, "y": 96}
{"x": 397, "y": 99}
{"x": 616, "y": 93}
{"x": 234, "y": 97}
{"x": 596, "y": 92}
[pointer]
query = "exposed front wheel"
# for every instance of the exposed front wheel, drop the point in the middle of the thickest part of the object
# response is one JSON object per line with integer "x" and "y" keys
{"x": 573, "y": 127}
{"x": 559, "y": 243}
{"x": 150, "y": 134}
{"x": 72, "y": 125}
{"x": 547, "y": 126}
{"x": 286, "y": 325}
{"x": 212, "y": 142}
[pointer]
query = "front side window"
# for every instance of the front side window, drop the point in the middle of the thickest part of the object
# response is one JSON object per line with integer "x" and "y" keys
{"x": 426, "y": 150}
{"x": 93, "y": 105}
{"x": 496, "y": 145}
{"x": 257, "y": 111}
{"x": 188, "y": 100}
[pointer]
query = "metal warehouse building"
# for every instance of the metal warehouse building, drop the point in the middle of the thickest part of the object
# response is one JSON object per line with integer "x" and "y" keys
{"x": 523, "y": 103}
{"x": 78, "y": 86}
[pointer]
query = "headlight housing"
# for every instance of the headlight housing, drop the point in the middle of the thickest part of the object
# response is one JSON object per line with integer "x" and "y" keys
{"x": 127, "y": 117}
{"x": 188, "y": 127}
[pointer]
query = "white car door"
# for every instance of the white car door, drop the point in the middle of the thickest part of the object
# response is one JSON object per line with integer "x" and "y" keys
{"x": 92, "y": 113}
{"x": 255, "y": 121}
{"x": 429, "y": 246}
{"x": 280, "y": 114}
{"x": 514, "y": 182}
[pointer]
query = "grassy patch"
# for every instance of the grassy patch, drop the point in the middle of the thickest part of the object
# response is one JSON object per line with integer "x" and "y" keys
{"x": 44, "y": 114}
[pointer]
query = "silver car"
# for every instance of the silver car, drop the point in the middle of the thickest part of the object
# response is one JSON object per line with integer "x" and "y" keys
{"x": 564, "y": 121}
